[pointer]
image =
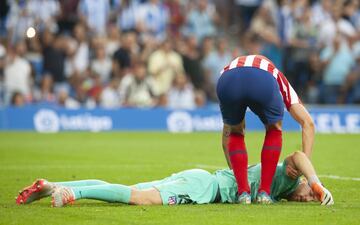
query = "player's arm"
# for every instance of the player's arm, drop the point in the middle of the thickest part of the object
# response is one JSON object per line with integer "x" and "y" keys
{"x": 300, "y": 162}
{"x": 302, "y": 116}
{"x": 298, "y": 112}
{"x": 225, "y": 139}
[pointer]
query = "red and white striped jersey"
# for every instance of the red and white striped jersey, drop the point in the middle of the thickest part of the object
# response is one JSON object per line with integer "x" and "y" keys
{"x": 258, "y": 61}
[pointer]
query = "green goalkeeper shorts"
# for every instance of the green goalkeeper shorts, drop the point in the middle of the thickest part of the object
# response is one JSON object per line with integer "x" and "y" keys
{"x": 193, "y": 186}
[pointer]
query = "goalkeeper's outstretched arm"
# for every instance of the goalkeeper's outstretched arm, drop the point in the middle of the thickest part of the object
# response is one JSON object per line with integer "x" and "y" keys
{"x": 300, "y": 162}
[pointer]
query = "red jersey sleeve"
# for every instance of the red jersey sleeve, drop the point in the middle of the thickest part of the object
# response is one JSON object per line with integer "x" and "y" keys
{"x": 287, "y": 91}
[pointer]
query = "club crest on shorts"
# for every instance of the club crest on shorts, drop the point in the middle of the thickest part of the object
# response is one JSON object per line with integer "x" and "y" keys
{"x": 172, "y": 200}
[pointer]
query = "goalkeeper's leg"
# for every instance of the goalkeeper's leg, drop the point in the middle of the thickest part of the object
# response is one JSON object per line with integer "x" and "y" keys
{"x": 42, "y": 188}
{"x": 80, "y": 183}
{"x": 112, "y": 193}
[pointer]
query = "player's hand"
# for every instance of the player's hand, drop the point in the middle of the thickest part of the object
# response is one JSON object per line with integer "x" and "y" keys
{"x": 328, "y": 198}
{"x": 292, "y": 172}
{"x": 323, "y": 194}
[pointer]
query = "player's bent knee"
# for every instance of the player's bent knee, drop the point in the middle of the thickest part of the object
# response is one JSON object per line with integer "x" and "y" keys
{"x": 298, "y": 154}
{"x": 238, "y": 129}
{"x": 275, "y": 126}
{"x": 145, "y": 197}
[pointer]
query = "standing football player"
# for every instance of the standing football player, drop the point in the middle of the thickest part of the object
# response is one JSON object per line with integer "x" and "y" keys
{"x": 253, "y": 81}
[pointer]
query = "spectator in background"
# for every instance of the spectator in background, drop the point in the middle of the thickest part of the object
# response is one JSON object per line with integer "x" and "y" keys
{"x": 192, "y": 63}
{"x": 80, "y": 88}
{"x": 66, "y": 101}
{"x": 101, "y": 65}
{"x": 252, "y": 44}
{"x": 355, "y": 18}
{"x": 350, "y": 90}
{"x": 225, "y": 10}
{"x": 163, "y": 65}
{"x": 147, "y": 49}
{"x": 81, "y": 57}
{"x": 315, "y": 70}
{"x": 77, "y": 60}
{"x": 181, "y": 94}
{"x": 53, "y": 53}
{"x": 284, "y": 20}
{"x": 176, "y": 16}
{"x": 200, "y": 98}
{"x": 215, "y": 61}
{"x": 350, "y": 7}
{"x": 34, "y": 56}
{"x": 94, "y": 91}
{"x": 321, "y": 11}
{"x": 17, "y": 73}
{"x": 287, "y": 32}
{"x": 152, "y": 20}
{"x": 95, "y": 14}
{"x": 68, "y": 15}
{"x": 123, "y": 56}
{"x": 338, "y": 61}
{"x": 127, "y": 12}
{"x": 200, "y": 21}
{"x": 139, "y": 90}
{"x": 17, "y": 99}
{"x": 44, "y": 12}
{"x": 339, "y": 24}
{"x": 264, "y": 26}
{"x": 302, "y": 42}
{"x": 207, "y": 47}
{"x": 246, "y": 9}
{"x": 109, "y": 97}
{"x": 18, "y": 21}
{"x": 4, "y": 9}
{"x": 45, "y": 94}
{"x": 112, "y": 42}
{"x": 2, "y": 67}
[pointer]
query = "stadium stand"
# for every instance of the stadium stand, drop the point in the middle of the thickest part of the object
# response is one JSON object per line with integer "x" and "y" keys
{"x": 123, "y": 53}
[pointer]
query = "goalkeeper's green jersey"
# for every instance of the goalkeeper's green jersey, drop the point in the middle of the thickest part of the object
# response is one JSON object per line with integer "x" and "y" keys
{"x": 281, "y": 187}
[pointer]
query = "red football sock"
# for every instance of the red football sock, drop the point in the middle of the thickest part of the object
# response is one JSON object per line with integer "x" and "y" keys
{"x": 239, "y": 161}
{"x": 269, "y": 158}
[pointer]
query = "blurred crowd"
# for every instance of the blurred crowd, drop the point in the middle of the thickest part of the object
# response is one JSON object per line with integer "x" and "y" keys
{"x": 168, "y": 53}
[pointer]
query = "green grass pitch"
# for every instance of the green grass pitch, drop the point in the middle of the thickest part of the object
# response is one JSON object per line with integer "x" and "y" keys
{"x": 135, "y": 157}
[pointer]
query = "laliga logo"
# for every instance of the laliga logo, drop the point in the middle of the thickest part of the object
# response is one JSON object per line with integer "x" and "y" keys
{"x": 47, "y": 121}
{"x": 185, "y": 122}
{"x": 180, "y": 122}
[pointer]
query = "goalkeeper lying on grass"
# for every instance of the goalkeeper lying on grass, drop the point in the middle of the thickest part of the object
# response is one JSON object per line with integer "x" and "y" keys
{"x": 188, "y": 187}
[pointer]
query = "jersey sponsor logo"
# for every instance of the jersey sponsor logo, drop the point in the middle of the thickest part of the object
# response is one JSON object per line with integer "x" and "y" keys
{"x": 185, "y": 199}
{"x": 172, "y": 200}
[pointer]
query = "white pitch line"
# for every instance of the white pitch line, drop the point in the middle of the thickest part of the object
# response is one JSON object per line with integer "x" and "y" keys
{"x": 329, "y": 176}
{"x": 85, "y": 166}
{"x": 211, "y": 167}
{"x": 335, "y": 177}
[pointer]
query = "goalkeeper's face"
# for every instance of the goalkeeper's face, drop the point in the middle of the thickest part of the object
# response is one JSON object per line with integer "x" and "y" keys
{"x": 303, "y": 193}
